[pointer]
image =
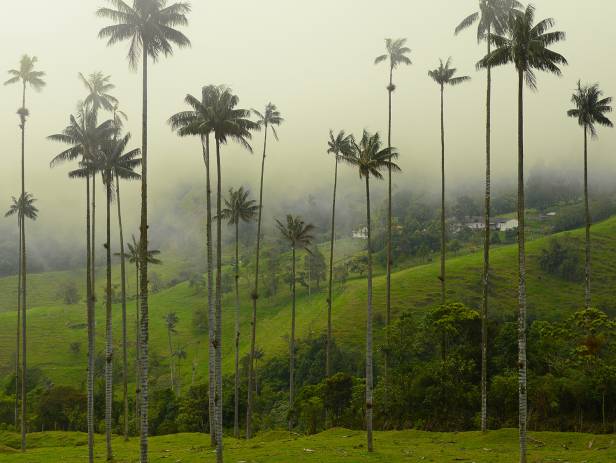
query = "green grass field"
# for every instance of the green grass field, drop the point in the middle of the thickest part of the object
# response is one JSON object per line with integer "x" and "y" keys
{"x": 53, "y": 326}
{"x": 333, "y": 446}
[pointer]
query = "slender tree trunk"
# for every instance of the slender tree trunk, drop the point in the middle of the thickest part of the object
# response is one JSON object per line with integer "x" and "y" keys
{"x": 24, "y": 273}
{"x": 18, "y": 334}
{"x": 137, "y": 352}
{"x": 588, "y": 224}
{"x": 94, "y": 236}
{"x": 143, "y": 291}
{"x": 219, "y": 443}
{"x": 369, "y": 367}
{"x": 328, "y": 351}
{"x": 236, "y": 413}
{"x": 486, "y": 255}
{"x": 171, "y": 360}
{"x": 522, "y": 391}
{"x": 443, "y": 234}
{"x": 292, "y": 348}
{"x": 108, "y": 331}
{"x": 389, "y": 236}
{"x": 255, "y": 297}
{"x": 91, "y": 327}
{"x": 205, "y": 142}
{"x": 124, "y": 322}
{"x": 389, "y": 216}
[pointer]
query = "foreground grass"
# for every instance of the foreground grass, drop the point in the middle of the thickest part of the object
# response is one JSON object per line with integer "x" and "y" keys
{"x": 334, "y": 446}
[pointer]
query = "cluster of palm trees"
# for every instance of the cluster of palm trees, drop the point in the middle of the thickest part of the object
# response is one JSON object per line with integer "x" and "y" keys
{"x": 101, "y": 148}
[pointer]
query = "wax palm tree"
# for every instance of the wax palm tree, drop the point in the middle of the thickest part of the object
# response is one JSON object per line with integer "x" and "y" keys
{"x": 133, "y": 257}
{"x": 27, "y": 76}
{"x": 22, "y": 208}
{"x": 171, "y": 321}
{"x": 229, "y": 123}
{"x": 590, "y": 110}
{"x": 444, "y": 76}
{"x": 370, "y": 159}
{"x": 98, "y": 86}
{"x": 149, "y": 26}
{"x": 85, "y": 138}
{"x": 396, "y": 55}
{"x": 268, "y": 120}
{"x": 339, "y": 145}
{"x": 112, "y": 160}
{"x": 492, "y": 17}
{"x": 299, "y": 235}
{"x": 197, "y": 121}
{"x": 238, "y": 208}
{"x": 525, "y": 45}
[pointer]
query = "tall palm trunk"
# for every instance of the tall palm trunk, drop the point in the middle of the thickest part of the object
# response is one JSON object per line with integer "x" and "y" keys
{"x": 91, "y": 328}
{"x": 94, "y": 236}
{"x": 236, "y": 412}
{"x": 389, "y": 235}
{"x": 486, "y": 255}
{"x": 522, "y": 276}
{"x": 292, "y": 348}
{"x": 328, "y": 351}
{"x": 211, "y": 315}
{"x": 369, "y": 367}
{"x": 171, "y": 360}
{"x": 18, "y": 334}
{"x": 219, "y": 443}
{"x": 255, "y": 297}
{"x": 24, "y": 273}
{"x": 124, "y": 328}
{"x": 588, "y": 224}
{"x": 108, "y": 330}
{"x": 443, "y": 239}
{"x": 143, "y": 284}
{"x": 390, "y": 90}
{"x": 137, "y": 351}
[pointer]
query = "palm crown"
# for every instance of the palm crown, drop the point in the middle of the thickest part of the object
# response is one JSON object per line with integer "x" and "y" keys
{"x": 83, "y": 136}
{"x": 229, "y": 122}
{"x": 296, "y": 231}
{"x": 112, "y": 160}
{"x": 25, "y": 205}
{"x": 134, "y": 253}
{"x": 148, "y": 25}
{"x": 445, "y": 74}
{"x": 199, "y": 119}
{"x": 238, "y": 208}
{"x": 525, "y": 45}
{"x": 590, "y": 107}
{"x": 492, "y": 17}
{"x": 99, "y": 86}
{"x": 26, "y": 73}
{"x": 269, "y": 118}
{"x": 339, "y": 145}
{"x": 369, "y": 156}
{"x": 396, "y": 53}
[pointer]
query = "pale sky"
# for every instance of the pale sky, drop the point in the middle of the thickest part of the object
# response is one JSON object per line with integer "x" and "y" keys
{"x": 315, "y": 61}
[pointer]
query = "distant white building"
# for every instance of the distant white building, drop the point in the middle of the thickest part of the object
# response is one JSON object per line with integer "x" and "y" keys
{"x": 506, "y": 224}
{"x": 478, "y": 224}
{"x": 361, "y": 233}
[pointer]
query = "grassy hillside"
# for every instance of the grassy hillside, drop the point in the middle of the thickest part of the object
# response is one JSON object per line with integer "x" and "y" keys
{"x": 54, "y": 326}
{"x": 334, "y": 446}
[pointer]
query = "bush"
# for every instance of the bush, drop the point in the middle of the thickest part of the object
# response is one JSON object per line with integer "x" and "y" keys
{"x": 561, "y": 259}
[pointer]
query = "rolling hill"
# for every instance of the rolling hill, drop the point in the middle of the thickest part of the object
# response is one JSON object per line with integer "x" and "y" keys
{"x": 54, "y": 326}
